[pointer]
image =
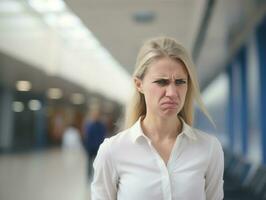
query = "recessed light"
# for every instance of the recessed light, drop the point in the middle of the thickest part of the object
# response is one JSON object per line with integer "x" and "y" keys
{"x": 18, "y": 106}
{"x": 54, "y": 93}
{"x": 77, "y": 98}
{"x": 23, "y": 86}
{"x": 34, "y": 105}
{"x": 10, "y": 6}
{"x": 47, "y": 5}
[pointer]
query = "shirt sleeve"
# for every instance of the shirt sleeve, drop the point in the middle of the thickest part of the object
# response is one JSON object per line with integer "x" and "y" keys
{"x": 214, "y": 175}
{"x": 104, "y": 184}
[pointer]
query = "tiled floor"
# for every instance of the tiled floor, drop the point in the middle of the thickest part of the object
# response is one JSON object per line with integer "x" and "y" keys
{"x": 54, "y": 174}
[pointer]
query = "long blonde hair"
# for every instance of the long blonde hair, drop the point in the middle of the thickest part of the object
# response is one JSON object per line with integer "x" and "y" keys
{"x": 152, "y": 50}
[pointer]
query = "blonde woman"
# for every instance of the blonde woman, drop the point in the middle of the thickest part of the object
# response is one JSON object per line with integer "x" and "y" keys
{"x": 160, "y": 156}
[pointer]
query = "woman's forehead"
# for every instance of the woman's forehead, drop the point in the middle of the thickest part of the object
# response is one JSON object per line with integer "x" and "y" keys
{"x": 167, "y": 67}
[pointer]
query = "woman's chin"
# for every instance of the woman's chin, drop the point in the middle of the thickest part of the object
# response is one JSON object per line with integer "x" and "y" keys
{"x": 169, "y": 112}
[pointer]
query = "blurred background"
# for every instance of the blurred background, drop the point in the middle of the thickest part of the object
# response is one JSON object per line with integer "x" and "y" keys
{"x": 60, "y": 61}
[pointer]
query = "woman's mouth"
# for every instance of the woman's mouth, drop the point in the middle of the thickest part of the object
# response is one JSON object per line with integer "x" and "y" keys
{"x": 169, "y": 105}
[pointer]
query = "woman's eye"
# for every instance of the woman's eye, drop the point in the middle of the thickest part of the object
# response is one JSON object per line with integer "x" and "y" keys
{"x": 180, "y": 81}
{"x": 162, "y": 82}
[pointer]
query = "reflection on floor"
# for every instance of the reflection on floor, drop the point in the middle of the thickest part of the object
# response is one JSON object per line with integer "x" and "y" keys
{"x": 51, "y": 175}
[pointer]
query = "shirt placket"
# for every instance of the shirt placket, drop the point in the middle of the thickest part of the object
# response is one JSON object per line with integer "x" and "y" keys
{"x": 175, "y": 153}
{"x": 166, "y": 182}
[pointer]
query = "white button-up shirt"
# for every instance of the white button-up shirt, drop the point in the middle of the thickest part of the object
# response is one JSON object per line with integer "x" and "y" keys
{"x": 128, "y": 167}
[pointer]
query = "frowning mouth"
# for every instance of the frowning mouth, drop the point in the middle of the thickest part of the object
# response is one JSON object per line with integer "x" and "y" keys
{"x": 169, "y": 105}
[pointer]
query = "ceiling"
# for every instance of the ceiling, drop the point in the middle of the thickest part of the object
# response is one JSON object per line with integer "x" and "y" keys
{"x": 113, "y": 24}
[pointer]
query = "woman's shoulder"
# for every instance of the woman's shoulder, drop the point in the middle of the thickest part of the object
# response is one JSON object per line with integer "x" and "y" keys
{"x": 120, "y": 136}
{"x": 117, "y": 140}
{"x": 209, "y": 143}
{"x": 206, "y": 137}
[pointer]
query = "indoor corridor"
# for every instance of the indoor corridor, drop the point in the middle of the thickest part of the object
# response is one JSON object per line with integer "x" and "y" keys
{"x": 68, "y": 74}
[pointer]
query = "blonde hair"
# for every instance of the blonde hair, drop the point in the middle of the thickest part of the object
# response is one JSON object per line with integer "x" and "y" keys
{"x": 152, "y": 50}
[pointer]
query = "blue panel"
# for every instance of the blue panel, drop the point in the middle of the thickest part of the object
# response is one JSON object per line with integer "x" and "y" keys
{"x": 40, "y": 125}
{"x": 261, "y": 43}
{"x": 244, "y": 99}
{"x": 230, "y": 113}
{"x": 40, "y": 129}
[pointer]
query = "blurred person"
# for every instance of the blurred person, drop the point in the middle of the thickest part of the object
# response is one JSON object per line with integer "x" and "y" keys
{"x": 72, "y": 146}
{"x": 95, "y": 132}
{"x": 71, "y": 138}
{"x": 160, "y": 155}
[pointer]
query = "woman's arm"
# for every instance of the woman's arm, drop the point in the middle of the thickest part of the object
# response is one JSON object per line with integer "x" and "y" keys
{"x": 104, "y": 184}
{"x": 214, "y": 174}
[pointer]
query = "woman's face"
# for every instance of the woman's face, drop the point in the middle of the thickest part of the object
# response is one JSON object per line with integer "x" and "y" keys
{"x": 164, "y": 87}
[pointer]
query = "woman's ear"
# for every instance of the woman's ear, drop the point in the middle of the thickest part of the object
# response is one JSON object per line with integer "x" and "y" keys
{"x": 138, "y": 84}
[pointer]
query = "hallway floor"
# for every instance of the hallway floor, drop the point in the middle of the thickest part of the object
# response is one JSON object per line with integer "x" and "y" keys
{"x": 55, "y": 174}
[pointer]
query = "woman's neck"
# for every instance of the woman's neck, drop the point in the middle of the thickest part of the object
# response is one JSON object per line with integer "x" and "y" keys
{"x": 158, "y": 129}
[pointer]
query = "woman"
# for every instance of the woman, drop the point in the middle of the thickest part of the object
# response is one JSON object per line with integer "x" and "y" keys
{"x": 160, "y": 156}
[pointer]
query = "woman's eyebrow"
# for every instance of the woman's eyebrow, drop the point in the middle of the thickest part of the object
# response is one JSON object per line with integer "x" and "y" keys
{"x": 167, "y": 78}
{"x": 160, "y": 77}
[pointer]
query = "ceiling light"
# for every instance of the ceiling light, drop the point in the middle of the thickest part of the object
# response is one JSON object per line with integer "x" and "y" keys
{"x": 23, "y": 85}
{"x": 34, "y": 105}
{"x": 22, "y": 21}
{"x": 47, "y": 5}
{"x": 10, "y": 6}
{"x": 64, "y": 20}
{"x": 51, "y": 19}
{"x": 68, "y": 20}
{"x": 77, "y": 98}
{"x": 18, "y": 106}
{"x": 78, "y": 33}
{"x": 54, "y": 93}
{"x": 86, "y": 44}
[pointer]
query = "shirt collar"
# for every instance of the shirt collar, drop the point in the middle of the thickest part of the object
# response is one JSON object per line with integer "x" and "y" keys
{"x": 137, "y": 132}
{"x": 187, "y": 130}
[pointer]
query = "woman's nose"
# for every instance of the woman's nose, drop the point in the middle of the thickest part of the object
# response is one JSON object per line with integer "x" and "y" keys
{"x": 171, "y": 90}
